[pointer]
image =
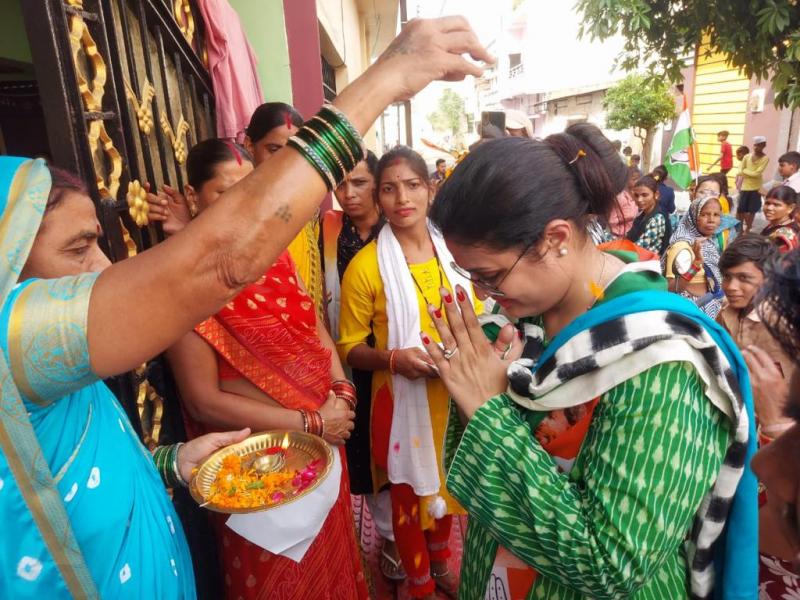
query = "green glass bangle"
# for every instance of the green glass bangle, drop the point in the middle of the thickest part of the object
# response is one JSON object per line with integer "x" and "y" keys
{"x": 335, "y": 139}
{"x": 324, "y": 151}
{"x": 318, "y": 154}
{"x": 345, "y": 129}
{"x": 341, "y": 119}
{"x": 315, "y": 161}
{"x": 334, "y": 166}
{"x": 332, "y": 153}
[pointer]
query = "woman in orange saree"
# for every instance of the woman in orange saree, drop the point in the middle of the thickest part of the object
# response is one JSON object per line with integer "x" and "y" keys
{"x": 265, "y": 360}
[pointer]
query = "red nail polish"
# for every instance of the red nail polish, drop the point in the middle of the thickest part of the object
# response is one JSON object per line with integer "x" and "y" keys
{"x": 447, "y": 297}
{"x": 437, "y": 313}
{"x": 461, "y": 295}
{"x": 425, "y": 339}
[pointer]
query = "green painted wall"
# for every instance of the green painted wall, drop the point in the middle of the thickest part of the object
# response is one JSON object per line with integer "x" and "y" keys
{"x": 264, "y": 25}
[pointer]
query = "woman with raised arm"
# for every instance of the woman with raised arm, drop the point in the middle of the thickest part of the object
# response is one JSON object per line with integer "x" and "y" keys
{"x": 621, "y": 430}
{"x": 71, "y": 535}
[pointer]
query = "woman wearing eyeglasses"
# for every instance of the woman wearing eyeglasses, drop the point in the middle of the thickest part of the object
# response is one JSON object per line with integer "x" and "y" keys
{"x": 386, "y": 291}
{"x": 605, "y": 457}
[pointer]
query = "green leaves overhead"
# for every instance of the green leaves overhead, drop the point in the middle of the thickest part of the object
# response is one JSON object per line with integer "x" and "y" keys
{"x": 761, "y": 37}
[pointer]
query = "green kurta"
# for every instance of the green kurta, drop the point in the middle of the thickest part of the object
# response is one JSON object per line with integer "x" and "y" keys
{"x": 614, "y": 526}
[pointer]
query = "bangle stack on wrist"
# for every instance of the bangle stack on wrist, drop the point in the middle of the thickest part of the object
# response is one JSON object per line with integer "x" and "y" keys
{"x": 313, "y": 422}
{"x": 345, "y": 390}
{"x": 166, "y": 459}
{"x": 331, "y": 144}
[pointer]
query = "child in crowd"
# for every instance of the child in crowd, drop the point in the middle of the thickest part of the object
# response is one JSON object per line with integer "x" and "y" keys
{"x": 752, "y": 171}
{"x": 725, "y": 158}
{"x": 636, "y": 161}
{"x": 779, "y": 208}
{"x": 771, "y": 370}
{"x": 741, "y": 152}
{"x": 626, "y": 155}
{"x": 789, "y": 170}
{"x": 666, "y": 195}
{"x": 625, "y": 211}
{"x": 651, "y": 228}
{"x": 742, "y": 266}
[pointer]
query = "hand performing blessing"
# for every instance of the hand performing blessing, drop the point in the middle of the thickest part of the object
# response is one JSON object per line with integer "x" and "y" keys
{"x": 471, "y": 367}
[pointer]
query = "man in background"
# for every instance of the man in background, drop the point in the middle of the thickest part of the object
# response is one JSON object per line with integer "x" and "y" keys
{"x": 725, "y": 158}
{"x": 752, "y": 172}
{"x": 438, "y": 175}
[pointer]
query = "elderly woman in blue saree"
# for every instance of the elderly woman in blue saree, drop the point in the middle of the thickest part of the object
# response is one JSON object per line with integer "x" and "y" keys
{"x": 83, "y": 509}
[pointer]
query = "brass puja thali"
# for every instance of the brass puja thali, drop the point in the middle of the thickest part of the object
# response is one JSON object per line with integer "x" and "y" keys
{"x": 264, "y": 471}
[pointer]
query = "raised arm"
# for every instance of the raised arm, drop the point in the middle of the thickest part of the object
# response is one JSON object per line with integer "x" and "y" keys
{"x": 142, "y": 305}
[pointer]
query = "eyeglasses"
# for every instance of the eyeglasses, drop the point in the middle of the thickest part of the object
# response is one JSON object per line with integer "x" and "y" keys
{"x": 493, "y": 289}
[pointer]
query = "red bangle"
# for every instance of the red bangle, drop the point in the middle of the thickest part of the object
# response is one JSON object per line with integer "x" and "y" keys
{"x": 391, "y": 362}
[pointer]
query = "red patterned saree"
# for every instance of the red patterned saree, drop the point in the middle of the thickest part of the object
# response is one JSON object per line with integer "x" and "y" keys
{"x": 268, "y": 336}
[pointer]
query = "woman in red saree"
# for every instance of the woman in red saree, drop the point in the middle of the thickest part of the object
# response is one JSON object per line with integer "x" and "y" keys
{"x": 263, "y": 360}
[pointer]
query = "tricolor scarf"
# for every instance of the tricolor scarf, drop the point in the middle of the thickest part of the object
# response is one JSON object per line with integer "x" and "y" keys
{"x": 624, "y": 337}
{"x": 414, "y": 462}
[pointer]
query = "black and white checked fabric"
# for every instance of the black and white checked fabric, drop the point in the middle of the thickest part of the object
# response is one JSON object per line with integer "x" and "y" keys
{"x": 631, "y": 344}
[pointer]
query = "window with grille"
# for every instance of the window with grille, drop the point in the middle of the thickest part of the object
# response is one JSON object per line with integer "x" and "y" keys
{"x": 328, "y": 80}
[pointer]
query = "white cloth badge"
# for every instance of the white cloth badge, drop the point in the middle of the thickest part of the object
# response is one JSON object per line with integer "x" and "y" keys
{"x": 289, "y": 530}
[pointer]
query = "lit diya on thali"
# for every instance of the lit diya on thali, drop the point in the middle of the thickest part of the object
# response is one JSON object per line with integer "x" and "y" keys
{"x": 262, "y": 472}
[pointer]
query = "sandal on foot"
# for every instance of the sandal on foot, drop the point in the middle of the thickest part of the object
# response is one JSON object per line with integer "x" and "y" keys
{"x": 391, "y": 567}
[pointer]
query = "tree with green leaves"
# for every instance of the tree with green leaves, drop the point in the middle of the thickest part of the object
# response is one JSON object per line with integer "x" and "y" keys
{"x": 762, "y": 38}
{"x": 449, "y": 116}
{"x": 640, "y": 103}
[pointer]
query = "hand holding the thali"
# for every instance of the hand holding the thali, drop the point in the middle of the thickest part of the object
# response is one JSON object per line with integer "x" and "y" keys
{"x": 471, "y": 367}
{"x": 338, "y": 420}
{"x": 194, "y": 452}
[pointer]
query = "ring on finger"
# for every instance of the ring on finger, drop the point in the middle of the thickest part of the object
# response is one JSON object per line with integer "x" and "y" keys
{"x": 448, "y": 354}
{"x": 506, "y": 352}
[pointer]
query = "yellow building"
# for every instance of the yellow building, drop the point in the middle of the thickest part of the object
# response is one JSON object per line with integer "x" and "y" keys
{"x": 720, "y": 103}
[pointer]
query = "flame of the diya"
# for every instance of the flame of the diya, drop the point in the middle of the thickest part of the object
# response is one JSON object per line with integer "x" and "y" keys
{"x": 285, "y": 442}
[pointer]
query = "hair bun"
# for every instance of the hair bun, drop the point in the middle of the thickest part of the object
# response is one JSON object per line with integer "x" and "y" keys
{"x": 598, "y": 170}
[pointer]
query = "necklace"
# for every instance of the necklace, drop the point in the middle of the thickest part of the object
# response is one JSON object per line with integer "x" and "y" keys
{"x": 441, "y": 280}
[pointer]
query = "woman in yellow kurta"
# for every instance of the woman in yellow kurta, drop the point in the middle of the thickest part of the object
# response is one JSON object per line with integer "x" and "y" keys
{"x": 387, "y": 291}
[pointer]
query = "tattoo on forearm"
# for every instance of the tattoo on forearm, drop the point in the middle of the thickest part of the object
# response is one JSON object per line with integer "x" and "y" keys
{"x": 283, "y": 213}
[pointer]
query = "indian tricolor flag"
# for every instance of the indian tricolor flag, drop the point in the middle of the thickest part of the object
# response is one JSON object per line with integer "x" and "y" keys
{"x": 681, "y": 160}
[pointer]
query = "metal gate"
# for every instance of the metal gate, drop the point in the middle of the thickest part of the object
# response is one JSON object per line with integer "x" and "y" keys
{"x": 125, "y": 93}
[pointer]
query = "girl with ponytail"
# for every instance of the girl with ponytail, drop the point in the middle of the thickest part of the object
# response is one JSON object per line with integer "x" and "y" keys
{"x": 593, "y": 446}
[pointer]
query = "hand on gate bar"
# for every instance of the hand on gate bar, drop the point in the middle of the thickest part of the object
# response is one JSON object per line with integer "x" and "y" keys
{"x": 169, "y": 207}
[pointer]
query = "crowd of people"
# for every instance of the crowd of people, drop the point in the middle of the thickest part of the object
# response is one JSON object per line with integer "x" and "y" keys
{"x": 534, "y": 339}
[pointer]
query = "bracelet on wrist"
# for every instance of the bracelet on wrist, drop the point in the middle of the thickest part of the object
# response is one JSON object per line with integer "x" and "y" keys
{"x": 166, "y": 461}
{"x": 331, "y": 144}
{"x": 304, "y": 415}
{"x": 392, "y": 369}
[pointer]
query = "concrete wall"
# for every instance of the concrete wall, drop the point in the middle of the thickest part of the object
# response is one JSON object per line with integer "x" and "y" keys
{"x": 264, "y": 25}
{"x": 342, "y": 38}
